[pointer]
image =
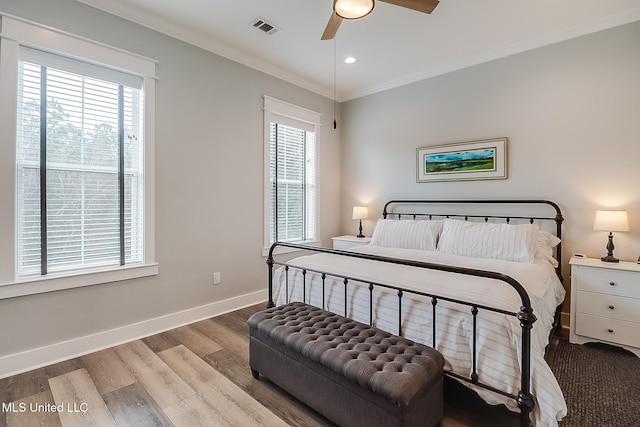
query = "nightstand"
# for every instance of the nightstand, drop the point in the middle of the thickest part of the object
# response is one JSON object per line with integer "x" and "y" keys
{"x": 605, "y": 303}
{"x": 346, "y": 242}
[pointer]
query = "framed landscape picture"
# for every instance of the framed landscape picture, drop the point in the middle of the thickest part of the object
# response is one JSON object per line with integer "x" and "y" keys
{"x": 473, "y": 160}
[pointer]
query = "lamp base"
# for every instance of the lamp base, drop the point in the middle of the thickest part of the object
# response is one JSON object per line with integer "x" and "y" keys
{"x": 610, "y": 248}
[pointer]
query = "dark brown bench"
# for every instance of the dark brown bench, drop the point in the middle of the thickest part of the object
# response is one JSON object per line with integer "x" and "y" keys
{"x": 352, "y": 373}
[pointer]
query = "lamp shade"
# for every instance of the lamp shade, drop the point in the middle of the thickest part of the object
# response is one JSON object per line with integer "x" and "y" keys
{"x": 611, "y": 221}
{"x": 360, "y": 212}
{"x": 353, "y": 9}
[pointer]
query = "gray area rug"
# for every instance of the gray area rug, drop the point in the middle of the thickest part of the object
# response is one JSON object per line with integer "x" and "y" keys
{"x": 601, "y": 385}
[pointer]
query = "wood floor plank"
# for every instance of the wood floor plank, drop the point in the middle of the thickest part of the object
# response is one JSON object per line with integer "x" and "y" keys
{"x": 31, "y": 414}
{"x": 108, "y": 371}
{"x": 194, "y": 412}
{"x": 228, "y": 338}
{"x": 217, "y": 391}
{"x": 237, "y": 321}
{"x": 133, "y": 406}
{"x": 159, "y": 342}
{"x": 26, "y": 384}
{"x": 164, "y": 385}
{"x": 64, "y": 367}
{"x": 81, "y": 402}
{"x": 246, "y": 312}
{"x": 236, "y": 368}
{"x": 195, "y": 340}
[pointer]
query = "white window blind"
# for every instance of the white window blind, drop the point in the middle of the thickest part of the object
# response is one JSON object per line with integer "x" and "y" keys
{"x": 79, "y": 160}
{"x": 293, "y": 187}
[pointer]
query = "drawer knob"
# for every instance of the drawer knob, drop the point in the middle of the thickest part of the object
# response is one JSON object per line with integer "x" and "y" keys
{"x": 610, "y": 331}
{"x": 611, "y": 307}
{"x": 612, "y": 283}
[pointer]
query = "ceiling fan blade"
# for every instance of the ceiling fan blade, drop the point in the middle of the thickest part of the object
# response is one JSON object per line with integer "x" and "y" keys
{"x": 425, "y": 6}
{"x": 332, "y": 27}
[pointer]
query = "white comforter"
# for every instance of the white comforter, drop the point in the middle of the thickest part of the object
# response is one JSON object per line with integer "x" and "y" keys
{"x": 498, "y": 341}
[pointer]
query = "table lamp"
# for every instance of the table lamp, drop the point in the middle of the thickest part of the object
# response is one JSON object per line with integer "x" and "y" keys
{"x": 611, "y": 221}
{"x": 360, "y": 213}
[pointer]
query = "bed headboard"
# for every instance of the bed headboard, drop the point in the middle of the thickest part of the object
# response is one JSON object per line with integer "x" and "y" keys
{"x": 540, "y": 211}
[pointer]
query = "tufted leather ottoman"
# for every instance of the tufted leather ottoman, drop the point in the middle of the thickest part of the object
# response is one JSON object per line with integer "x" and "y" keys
{"x": 352, "y": 373}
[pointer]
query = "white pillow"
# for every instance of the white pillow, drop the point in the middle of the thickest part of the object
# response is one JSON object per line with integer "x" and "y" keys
{"x": 407, "y": 234}
{"x": 545, "y": 244}
{"x": 488, "y": 240}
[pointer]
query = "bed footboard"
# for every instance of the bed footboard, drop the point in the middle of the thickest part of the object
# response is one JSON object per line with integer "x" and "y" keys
{"x": 524, "y": 314}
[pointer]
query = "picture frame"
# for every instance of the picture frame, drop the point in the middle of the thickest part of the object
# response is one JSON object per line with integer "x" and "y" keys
{"x": 463, "y": 161}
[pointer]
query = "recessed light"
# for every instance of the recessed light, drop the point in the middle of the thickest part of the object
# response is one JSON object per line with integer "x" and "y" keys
{"x": 349, "y": 60}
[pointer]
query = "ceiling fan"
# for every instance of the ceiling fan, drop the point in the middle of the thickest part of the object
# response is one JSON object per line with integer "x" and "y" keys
{"x": 355, "y": 9}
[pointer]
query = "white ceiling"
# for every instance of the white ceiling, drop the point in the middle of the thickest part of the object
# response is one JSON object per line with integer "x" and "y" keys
{"x": 393, "y": 45}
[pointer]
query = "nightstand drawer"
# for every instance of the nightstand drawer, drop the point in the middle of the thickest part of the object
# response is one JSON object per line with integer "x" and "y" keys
{"x": 606, "y": 281}
{"x": 611, "y": 306}
{"x": 617, "y": 331}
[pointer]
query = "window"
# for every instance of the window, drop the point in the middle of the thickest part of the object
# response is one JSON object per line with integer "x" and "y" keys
{"x": 81, "y": 169}
{"x": 291, "y": 174}
{"x": 79, "y": 166}
{"x": 292, "y": 179}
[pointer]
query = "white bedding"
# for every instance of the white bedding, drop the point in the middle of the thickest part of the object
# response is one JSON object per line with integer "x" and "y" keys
{"x": 498, "y": 341}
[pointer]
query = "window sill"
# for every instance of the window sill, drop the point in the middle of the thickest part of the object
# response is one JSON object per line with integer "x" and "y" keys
{"x": 58, "y": 282}
{"x": 284, "y": 250}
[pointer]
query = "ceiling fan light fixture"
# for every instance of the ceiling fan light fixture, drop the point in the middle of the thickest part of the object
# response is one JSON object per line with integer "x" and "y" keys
{"x": 353, "y": 9}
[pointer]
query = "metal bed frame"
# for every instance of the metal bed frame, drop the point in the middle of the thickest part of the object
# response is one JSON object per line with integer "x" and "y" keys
{"x": 524, "y": 313}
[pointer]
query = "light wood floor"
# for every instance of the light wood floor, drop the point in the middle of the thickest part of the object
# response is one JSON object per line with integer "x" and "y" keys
{"x": 196, "y": 375}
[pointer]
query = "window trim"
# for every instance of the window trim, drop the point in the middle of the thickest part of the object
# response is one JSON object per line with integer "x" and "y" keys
{"x": 290, "y": 115}
{"x": 75, "y": 279}
{"x": 18, "y": 32}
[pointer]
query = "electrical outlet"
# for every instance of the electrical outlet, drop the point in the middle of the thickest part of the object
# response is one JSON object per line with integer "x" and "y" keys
{"x": 216, "y": 278}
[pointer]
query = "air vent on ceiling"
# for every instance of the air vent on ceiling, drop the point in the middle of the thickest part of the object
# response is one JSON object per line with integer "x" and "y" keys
{"x": 265, "y": 26}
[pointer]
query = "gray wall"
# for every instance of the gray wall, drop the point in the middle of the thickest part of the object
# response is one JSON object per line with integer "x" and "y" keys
{"x": 571, "y": 112}
{"x": 209, "y": 187}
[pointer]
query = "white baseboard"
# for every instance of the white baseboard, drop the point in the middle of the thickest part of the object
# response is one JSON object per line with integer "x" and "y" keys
{"x": 38, "y": 357}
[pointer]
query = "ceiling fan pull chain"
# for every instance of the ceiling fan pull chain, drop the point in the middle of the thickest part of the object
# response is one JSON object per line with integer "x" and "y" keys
{"x": 335, "y": 124}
